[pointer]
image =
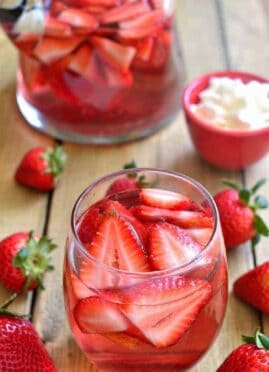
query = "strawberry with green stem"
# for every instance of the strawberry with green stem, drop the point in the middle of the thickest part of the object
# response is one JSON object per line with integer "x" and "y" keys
{"x": 41, "y": 168}
{"x": 127, "y": 183}
{"x": 238, "y": 208}
{"x": 24, "y": 258}
{"x": 252, "y": 356}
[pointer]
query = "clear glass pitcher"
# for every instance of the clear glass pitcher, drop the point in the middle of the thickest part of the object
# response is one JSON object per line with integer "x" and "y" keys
{"x": 95, "y": 71}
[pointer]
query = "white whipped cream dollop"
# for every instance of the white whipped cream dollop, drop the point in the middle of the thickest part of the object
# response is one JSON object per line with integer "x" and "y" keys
{"x": 231, "y": 104}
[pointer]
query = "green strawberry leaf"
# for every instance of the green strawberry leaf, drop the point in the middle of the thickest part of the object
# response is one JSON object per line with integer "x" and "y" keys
{"x": 56, "y": 159}
{"x": 260, "y": 340}
{"x": 231, "y": 183}
{"x": 263, "y": 341}
{"x": 244, "y": 196}
{"x": 260, "y": 202}
{"x": 260, "y": 226}
{"x": 131, "y": 165}
{"x": 258, "y": 185}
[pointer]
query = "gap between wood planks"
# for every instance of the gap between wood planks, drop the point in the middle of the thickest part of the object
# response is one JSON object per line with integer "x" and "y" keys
{"x": 44, "y": 232}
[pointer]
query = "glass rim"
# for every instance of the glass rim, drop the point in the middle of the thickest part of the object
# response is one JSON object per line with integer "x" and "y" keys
{"x": 152, "y": 274}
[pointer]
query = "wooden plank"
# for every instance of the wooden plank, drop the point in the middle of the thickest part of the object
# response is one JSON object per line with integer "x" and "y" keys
{"x": 251, "y": 17}
{"x": 20, "y": 209}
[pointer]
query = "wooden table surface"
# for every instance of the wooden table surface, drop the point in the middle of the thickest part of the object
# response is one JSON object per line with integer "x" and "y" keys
{"x": 214, "y": 35}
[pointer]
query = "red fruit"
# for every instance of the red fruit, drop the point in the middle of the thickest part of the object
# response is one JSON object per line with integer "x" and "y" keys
{"x": 116, "y": 243}
{"x": 41, "y": 167}
{"x": 123, "y": 12}
{"x": 185, "y": 219}
{"x": 23, "y": 261}
{"x": 57, "y": 29}
{"x": 21, "y": 349}
{"x": 114, "y": 207}
{"x": 237, "y": 219}
{"x": 169, "y": 246}
{"x": 95, "y": 315}
{"x": 201, "y": 235}
{"x": 123, "y": 184}
{"x": 164, "y": 199}
{"x": 78, "y": 19}
{"x": 162, "y": 309}
{"x": 114, "y": 54}
{"x": 88, "y": 224}
{"x": 250, "y": 357}
{"x": 253, "y": 287}
{"x": 144, "y": 20}
{"x": 80, "y": 60}
{"x": 50, "y": 50}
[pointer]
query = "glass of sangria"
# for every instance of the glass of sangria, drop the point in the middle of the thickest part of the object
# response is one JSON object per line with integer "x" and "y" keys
{"x": 95, "y": 71}
{"x": 145, "y": 276}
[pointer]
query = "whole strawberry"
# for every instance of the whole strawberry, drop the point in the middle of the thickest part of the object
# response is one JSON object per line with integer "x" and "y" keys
{"x": 21, "y": 349}
{"x": 253, "y": 287}
{"x": 23, "y": 261}
{"x": 250, "y": 357}
{"x": 238, "y": 213}
{"x": 131, "y": 182}
{"x": 41, "y": 167}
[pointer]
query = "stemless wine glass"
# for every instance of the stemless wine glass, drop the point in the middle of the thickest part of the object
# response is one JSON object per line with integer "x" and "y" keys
{"x": 166, "y": 329}
{"x": 95, "y": 71}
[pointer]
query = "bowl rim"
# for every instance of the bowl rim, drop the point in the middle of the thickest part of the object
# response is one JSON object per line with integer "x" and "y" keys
{"x": 203, "y": 123}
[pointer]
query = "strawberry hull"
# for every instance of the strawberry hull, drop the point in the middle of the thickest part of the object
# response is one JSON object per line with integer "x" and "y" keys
{"x": 109, "y": 69}
{"x": 145, "y": 296}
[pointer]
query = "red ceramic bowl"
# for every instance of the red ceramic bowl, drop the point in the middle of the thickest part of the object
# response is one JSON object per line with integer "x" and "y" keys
{"x": 230, "y": 149}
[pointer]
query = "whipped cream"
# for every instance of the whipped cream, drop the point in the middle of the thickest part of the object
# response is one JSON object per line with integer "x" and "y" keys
{"x": 231, "y": 104}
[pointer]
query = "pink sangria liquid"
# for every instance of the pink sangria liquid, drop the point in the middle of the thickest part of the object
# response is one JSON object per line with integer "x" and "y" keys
{"x": 146, "y": 284}
{"x": 96, "y": 70}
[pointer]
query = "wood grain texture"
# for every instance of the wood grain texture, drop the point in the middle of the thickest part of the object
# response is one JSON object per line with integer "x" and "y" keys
{"x": 206, "y": 45}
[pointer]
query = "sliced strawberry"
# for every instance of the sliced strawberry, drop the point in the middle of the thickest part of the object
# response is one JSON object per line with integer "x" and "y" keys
{"x": 184, "y": 219}
{"x": 144, "y": 49}
{"x": 114, "y": 207}
{"x": 164, "y": 199}
{"x": 50, "y": 50}
{"x": 95, "y": 315}
{"x": 105, "y": 3}
{"x": 145, "y": 20}
{"x": 55, "y": 28}
{"x": 80, "y": 288}
{"x": 124, "y": 12}
{"x": 95, "y": 10}
{"x": 78, "y": 19}
{"x": 116, "y": 78}
{"x": 163, "y": 309}
{"x": 116, "y": 243}
{"x": 201, "y": 235}
{"x": 170, "y": 246}
{"x": 80, "y": 60}
{"x": 113, "y": 53}
{"x": 88, "y": 224}
{"x": 139, "y": 33}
